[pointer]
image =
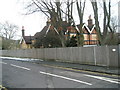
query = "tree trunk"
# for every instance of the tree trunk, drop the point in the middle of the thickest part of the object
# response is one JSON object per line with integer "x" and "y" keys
{"x": 95, "y": 9}
{"x": 80, "y": 9}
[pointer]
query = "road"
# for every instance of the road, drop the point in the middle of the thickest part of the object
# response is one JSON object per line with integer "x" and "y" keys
{"x": 19, "y": 74}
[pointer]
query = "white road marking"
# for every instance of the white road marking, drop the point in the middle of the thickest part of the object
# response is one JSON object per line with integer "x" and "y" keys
{"x": 104, "y": 78}
{"x": 20, "y": 67}
{"x": 3, "y": 62}
{"x": 75, "y": 80}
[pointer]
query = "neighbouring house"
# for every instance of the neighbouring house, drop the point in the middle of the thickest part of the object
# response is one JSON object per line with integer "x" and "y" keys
{"x": 27, "y": 41}
{"x": 90, "y": 33}
{"x": 47, "y": 37}
{"x": 71, "y": 31}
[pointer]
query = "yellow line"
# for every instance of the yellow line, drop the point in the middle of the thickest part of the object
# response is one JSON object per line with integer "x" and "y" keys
{"x": 80, "y": 70}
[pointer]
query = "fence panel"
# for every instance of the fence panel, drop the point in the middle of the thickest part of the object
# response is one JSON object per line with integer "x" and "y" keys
{"x": 61, "y": 54}
{"x": 102, "y": 55}
{"x": 113, "y": 56}
{"x": 76, "y": 55}
{"x": 50, "y": 53}
{"x": 87, "y": 54}
{"x": 40, "y": 54}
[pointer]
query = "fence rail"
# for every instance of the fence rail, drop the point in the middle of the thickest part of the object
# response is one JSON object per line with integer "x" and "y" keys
{"x": 98, "y": 55}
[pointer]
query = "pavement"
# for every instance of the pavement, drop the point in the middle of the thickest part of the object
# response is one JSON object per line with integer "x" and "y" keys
{"x": 71, "y": 66}
{"x": 99, "y": 69}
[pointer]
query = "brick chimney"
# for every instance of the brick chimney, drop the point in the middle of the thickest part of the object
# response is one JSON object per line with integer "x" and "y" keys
{"x": 23, "y": 31}
{"x": 90, "y": 21}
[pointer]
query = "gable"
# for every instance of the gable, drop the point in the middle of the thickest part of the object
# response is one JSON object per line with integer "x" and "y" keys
{"x": 88, "y": 29}
{"x": 27, "y": 39}
{"x": 85, "y": 31}
{"x": 22, "y": 40}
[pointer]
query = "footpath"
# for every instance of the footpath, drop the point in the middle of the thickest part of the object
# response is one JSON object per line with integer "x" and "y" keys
{"x": 92, "y": 68}
{"x": 100, "y": 69}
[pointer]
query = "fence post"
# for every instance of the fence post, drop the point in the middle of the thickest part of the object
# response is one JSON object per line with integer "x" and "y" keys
{"x": 107, "y": 55}
{"x": 119, "y": 55}
{"x": 94, "y": 55}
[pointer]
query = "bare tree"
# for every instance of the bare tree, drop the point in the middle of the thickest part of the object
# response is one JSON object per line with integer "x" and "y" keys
{"x": 107, "y": 29}
{"x": 8, "y": 30}
{"x": 106, "y": 22}
{"x": 114, "y": 23}
{"x": 80, "y": 8}
{"x": 95, "y": 10}
{"x": 8, "y": 33}
{"x": 52, "y": 10}
{"x": 56, "y": 10}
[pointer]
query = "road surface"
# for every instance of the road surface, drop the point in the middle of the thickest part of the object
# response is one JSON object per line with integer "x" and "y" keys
{"x": 19, "y": 74}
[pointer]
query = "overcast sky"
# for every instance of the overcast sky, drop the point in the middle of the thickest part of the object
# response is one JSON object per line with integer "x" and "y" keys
{"x": 11, "y": 11}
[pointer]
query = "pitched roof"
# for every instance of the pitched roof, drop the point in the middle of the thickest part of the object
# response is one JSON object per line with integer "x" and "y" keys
{"x": 89, "y": 28}
{"x": 72, "y": 29}
{"x": 42, "y": 33}
{"x": 45, "y": 30}
{"x": 28, "y": 39}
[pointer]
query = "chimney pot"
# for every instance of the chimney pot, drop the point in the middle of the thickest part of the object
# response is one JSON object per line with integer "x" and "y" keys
{"x": 22, "y": 27}
{"x": 90, "y": 22}
{"x": 23, "y": 31}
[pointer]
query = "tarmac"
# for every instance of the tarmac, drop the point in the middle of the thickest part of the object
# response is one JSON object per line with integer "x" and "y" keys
{"x": 71, "y": 66}
{"x": 92, "y": 68}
